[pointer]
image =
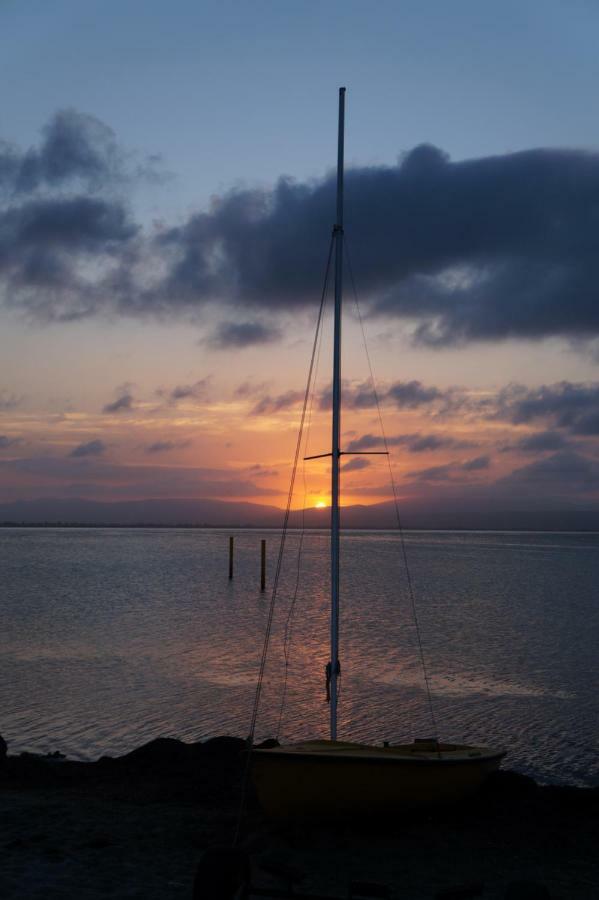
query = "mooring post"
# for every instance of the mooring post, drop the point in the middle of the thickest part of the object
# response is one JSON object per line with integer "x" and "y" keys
{"x": 231, "y": 539}
{"x": 262, "y": 565}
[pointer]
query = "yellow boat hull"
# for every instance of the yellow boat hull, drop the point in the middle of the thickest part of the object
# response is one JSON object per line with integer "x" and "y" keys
{"x": 332, "y": 779}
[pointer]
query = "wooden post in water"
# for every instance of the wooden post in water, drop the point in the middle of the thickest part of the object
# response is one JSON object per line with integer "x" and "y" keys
{"x": 262, "y": 565}
{"x": 231, "y": 540}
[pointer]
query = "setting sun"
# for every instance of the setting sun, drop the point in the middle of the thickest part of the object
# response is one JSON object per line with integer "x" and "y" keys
{"x": 320, "y": 504}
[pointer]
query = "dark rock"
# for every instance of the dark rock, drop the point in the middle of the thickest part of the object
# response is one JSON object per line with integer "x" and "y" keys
{"x": 221, "y": 746}
{"x": 3, "y": 750}
{"x": 222, "y": 874}
{"x": 370, "y": 890}
{"x": 566, "y": 800}
{"x": 527, "y": 890}
{"x": 461, "y": 891}
{"x": 98, "y": 842}
{"x": 158, "y": 754}
{"x": 509, "y": 786}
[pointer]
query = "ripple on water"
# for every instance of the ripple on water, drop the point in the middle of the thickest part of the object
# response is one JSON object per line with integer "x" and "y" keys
{"x": 110, "y": 638}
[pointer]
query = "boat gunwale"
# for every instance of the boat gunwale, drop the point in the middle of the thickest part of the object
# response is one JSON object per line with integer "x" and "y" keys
{"x": 327, "y": 757}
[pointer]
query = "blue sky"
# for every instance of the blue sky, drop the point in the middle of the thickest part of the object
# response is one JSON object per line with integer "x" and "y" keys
{"x": 232, "y": 90}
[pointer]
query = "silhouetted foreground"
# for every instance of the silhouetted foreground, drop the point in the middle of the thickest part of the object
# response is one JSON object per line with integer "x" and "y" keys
{"x": 136, "y": 826}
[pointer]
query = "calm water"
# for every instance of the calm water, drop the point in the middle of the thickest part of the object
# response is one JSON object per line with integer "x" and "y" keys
{"x": 109, "y": 638}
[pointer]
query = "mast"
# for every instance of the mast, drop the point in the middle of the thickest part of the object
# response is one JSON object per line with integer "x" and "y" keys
{"x": 334, "y": 670}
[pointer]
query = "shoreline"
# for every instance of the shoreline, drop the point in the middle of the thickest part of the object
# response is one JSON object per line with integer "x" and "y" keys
{"x": 191, "y": 526}
{"x": 137, "y": 825}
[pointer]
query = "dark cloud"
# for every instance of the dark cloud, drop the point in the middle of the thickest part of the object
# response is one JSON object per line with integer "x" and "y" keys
{"x": 6, "y": 441}
{"x": 67, "y": 242}
{"x": 49, "y": 248}
{"x": 539, "y": 442}
{"x": 559, "y": 476}
{"x": 123, "y": 403}
{"x": 482, "y": 249}
{"x": 371, "y": 441}
{"x": 166, "y": 446}
{"x": 75, "y": 147}
{"x": 415, "y": 443}
{"x": 568, "y": 405}
{"x": 276, "y": 404}
{"x": 426, "y": 443}
{"x": 243, "y": 334}
{"x": 92, "y": 448}
{"x": 403, "y": 394}
{"x": 9, "y": 401}
{"x": 196, "y": 391}
{"x": 354, "y": 465}
{"x": 249, "y": 388}
{"x": 412, "y": 394}
{"x": 259, "y": 471}
{"x": 476, "y": 464}
{"x": 433, "y": 473}
{"x": 93, "y": 478}
{"x": 448, "y": 471}
{"x": 354, "y": 396}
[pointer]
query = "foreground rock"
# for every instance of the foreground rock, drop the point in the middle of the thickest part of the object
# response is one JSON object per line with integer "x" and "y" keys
{"x": 136, "y": 826}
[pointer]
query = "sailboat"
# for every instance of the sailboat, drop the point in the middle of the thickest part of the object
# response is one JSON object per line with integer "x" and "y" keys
{"x": 332, "y": 778}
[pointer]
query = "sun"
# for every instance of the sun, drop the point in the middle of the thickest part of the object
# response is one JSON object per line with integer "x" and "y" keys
{"x": 320, "y": 504}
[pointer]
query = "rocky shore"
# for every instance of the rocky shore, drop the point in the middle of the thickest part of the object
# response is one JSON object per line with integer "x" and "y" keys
{"x": 137, "y": 826}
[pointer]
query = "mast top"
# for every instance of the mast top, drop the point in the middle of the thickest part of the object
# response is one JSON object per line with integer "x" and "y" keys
{"x": 340, "y": 162}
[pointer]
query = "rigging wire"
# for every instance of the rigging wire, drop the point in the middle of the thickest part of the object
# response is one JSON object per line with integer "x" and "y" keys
{"x": 273, "y": 599}
{"x": 290, "y": 616}
{"x": 396, "y": 504}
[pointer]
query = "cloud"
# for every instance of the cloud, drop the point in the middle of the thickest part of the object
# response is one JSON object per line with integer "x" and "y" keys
{"x": 8, "y": 401}
{"x": 415, "y": 443}
{"x": 92, "y": 478}
{"x": 476, "y": 464}
{"x": 448, "y": 471}
{"x": 75, "y": 148}
{"x": 568, "y": 405}
{"x": 354, "y": 465}
{"x": 259, "y": 471}
{"x": 60, "y": 257}
{"x": 433, "y": 473}
{"x": 276, "y": 404}
{"x": 249, "y": 388}
{"x": 412, "y": 394}
{"x": 242, "y": 334}
{"x": 539, "y": 442}
{"x": 195, "y": 391}
{"x": 92, "y": 448}
{"x": 483, "y": 249}
{"x": 6, "y": 441}
{"x": 402, "y": 394}
{"x": 370, "y": 441}
{"x": 559, "y": 476}
{"x": 123, "y": 403}
{"x": 67, "y": 242}
{"x": 354, "y": 396}
{"x": 166, "y": 446}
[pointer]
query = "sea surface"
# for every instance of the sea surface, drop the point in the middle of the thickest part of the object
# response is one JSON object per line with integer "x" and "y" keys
{"x": 111, "y": 637}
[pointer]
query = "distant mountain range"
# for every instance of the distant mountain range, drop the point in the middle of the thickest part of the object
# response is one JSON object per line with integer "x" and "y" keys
{"x": 220, "y": 513}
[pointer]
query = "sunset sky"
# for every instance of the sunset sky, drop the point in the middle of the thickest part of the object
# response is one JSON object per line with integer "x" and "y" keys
{"x": 167, "y": 197}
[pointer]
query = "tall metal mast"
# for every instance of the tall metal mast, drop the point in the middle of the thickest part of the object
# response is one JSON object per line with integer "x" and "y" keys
{"x": 334, "y": 670}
